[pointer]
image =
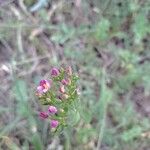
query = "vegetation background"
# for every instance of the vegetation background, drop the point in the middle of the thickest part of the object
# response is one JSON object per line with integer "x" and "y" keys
{"x": 107, "y": 42}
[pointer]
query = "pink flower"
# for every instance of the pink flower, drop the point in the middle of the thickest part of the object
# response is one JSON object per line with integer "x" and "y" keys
{"x": 54, "y": 123}
{"x": 43, "y": 87}
{"x": 55, "y": 72}
{"x": 43, "y": 115}
{"x": 52, "y": 109}
{"x": 66, "y": 81}
{"x": 62, "y": 89}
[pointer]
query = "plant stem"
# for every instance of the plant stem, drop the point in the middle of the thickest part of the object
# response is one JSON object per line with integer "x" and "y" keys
{"x": 103, "y": 104}
{"x": 102, "y": 128}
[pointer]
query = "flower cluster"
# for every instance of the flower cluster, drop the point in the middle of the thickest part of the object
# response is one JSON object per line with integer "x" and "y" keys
{"x": 59, "y": 93}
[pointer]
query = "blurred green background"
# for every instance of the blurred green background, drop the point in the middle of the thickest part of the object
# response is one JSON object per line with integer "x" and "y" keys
{"x": 106, "y": 41}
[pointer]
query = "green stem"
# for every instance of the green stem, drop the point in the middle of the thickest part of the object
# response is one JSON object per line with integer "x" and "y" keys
{"x": 103, "y": 104}
{"x": 102, "y": 128}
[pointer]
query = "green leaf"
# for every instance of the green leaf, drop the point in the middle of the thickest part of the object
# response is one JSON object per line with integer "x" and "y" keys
{"x": 140, "y": 27}
{"x": 102, "y": 29}
{"x": 36, "y": 141}
{"x": 73, "y": 117}
{"x": 131, "y": 133}
{"x": 86, "y": 115}
{"x": 20, "y": 90}
{"x": 63, "y": 34}
{"x": 85, "y": 133}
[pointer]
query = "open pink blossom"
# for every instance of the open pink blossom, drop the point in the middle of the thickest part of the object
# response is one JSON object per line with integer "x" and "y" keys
{"x": 54, "y": 123}
{"x": 52, "y": 109}
{"x": 43, "y": 115}
{"x": 55, "y": 72}
{"x": 44, "y": 86}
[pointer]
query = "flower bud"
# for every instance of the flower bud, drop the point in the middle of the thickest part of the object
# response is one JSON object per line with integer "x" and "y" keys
{"x": 66, "y": 81}
{"x": 69, "y": 71}
{"x": 62, "y": 89}
{"x": 65, "y": 96}
{"x": 78, "y": 91}
{"x": 62, "y": 110}
{"x": 52, "y": 109}
{"x": 55, "y": 72}
{"x": 43, "y": 115}
{"x": 54, "y": 123}
{"x": 48, "y": 99}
